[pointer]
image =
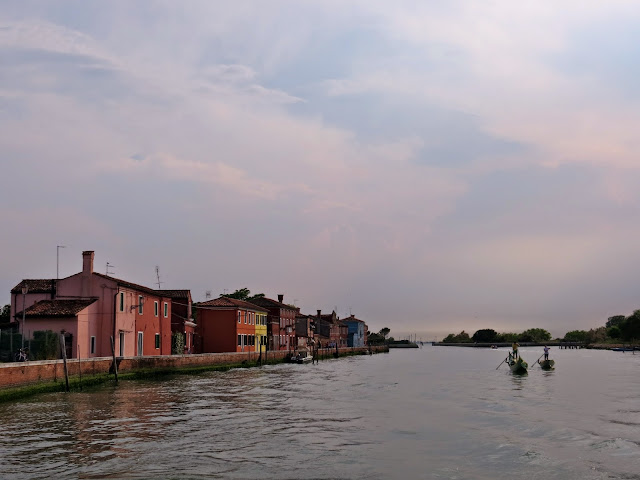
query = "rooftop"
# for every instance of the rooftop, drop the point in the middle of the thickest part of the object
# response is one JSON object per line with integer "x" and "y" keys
{"x": 57, "y": 308}
{"x": 226, "y": 303}
{"x": 40, "y": 285}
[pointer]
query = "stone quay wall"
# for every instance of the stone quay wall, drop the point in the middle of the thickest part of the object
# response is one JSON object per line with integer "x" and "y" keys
{"x": 28, "y": 373}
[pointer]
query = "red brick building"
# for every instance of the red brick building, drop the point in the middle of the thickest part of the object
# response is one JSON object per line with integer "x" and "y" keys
{"x": 229, "y": 325}
{"x": 281, "y": 322}
{"x": 304, "y": 331}
{"x": 330, "y": 331}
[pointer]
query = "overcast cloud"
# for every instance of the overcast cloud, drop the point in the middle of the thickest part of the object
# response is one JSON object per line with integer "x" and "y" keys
{"x": 427, "y": 166}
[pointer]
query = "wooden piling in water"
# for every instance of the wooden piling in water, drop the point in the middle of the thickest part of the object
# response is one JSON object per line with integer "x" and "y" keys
{"x": 79, "y": 367}
{"x": 64, "y": 360}
{"x": 115, "y": 364}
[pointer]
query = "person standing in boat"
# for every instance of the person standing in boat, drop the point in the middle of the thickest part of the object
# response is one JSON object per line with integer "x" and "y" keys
{"x": 515, "y": 349}
{"x": 546, "y": 352}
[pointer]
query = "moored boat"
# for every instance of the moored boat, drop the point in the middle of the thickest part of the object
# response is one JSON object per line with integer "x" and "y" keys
{"x": 518, "y": 366}
{"x": 547, "y": 364}
{"x": 302, "y": 357}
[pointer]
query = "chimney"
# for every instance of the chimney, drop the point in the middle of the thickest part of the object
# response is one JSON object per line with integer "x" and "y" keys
{"x": 280, "y": 298}
{"x": 353, "y": 315}
{"x": 319, "y": 313}
{"x": 87, "y": 262}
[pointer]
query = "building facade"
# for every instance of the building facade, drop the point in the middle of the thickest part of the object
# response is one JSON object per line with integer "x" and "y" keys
{"x": 230, "y": 325}
{"x": 281, "y": 322}
{"x": 118, "y": 309}
{"x": 182, "y": 316}
{"x": 356, "y": 331}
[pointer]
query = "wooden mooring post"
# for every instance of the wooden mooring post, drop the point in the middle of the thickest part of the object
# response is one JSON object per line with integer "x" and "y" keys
{"x": 79, "y": 367}
{"x": 64, "y": 359}
{"x": 115, "y": 364}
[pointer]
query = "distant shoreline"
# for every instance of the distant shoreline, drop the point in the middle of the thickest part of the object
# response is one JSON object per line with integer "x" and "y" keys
{"x": 595, "y": 346}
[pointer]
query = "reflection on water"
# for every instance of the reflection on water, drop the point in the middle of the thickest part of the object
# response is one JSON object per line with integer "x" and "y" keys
{"x": 436, "y": 412}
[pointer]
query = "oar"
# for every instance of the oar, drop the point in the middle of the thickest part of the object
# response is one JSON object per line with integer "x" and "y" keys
{"x": 502, "y": 362}
{"x": 538, "y": 360}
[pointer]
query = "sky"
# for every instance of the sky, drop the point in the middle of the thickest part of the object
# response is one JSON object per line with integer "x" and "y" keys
{"x": 430, "y": 167}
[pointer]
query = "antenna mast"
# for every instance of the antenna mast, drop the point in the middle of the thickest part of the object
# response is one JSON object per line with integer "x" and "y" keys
{"x": 109, "y": 265}
{"x": 207, "y": 294}
{"x": 159, "y": 283}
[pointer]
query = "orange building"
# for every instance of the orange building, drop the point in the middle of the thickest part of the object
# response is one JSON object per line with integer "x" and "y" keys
{"x": 229, "y": 325}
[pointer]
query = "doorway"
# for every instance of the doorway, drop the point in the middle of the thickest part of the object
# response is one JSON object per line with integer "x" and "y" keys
{"x": 122, "y": 344}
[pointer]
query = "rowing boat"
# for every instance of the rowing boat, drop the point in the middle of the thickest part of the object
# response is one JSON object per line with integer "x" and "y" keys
{"x": 547, "y": 364}
{"x": 518, "y": 366}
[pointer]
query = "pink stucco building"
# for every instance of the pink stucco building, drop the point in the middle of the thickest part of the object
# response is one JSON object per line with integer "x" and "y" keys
{"x": 91, "y": 308}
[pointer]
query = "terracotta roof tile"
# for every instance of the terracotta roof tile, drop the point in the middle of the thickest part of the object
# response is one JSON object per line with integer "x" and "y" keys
{"x": 269, "y": 302}
{"x": 226, "y": 302}
{"x": 131, "y": 285}
{"x": 57, "y": 308}
{"x": 36, "y": 285}
{"x": 184, "y": 294}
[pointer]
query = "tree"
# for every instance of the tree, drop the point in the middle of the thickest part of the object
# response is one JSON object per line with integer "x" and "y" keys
{"x": 615, "y": 321}
{"x": 384, "y": 332}
{"x": 630, "y": 328}
{"x": 576, "y": 336}
{"x": 243, "y": 294}
{"x": 375, "y": 339}
{"x": 240, "y": 294}
{"x": 597, "y": 335}
{"x": 462, "y": 337}
{"x": 538, "y": 335}
{"x": 507, "y": 337}
{"x": 5, "y": 314}
{"x": 486, "y": 335}
{"x": 614, "y": 332}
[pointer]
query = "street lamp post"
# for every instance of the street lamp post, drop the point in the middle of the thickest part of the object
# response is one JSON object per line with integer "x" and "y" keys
{"x": 25, "y": 289}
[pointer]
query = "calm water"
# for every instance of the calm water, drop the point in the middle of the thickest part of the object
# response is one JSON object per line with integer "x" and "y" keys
{"x": 437, "y": 412}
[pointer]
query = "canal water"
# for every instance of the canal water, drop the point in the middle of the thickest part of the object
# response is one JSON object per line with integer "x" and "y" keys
{"x": 434, "y": 412}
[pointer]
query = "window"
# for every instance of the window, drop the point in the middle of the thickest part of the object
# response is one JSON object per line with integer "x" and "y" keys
{"x": 140, "y": 302}
{"x": 155, "y": 308}
{"x": 245, "y": 317}
{"x": 239, "y": 339}
{"x": 122, "y": 301}
{"x": 238, "y": 318}
{"x": 157, "y": 339}
{"x": 166, "y": 309}
{"x": 93, "y": 345}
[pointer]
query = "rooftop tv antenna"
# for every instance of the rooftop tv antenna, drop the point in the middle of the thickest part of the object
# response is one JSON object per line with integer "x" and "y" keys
{"x": 159, "y": 283}
{"x": 110, "y": 265}
{"x": 207, "y": 294}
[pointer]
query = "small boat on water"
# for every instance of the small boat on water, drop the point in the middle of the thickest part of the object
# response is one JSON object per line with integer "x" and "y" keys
{"x": 546, "y": 364}
{"x": 624, "y": 349}
{"x": 302, "y": 357}
{"x": 518, "y": 366}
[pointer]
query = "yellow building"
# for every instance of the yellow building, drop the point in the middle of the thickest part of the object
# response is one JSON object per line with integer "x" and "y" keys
{"x": 261, "y": 331}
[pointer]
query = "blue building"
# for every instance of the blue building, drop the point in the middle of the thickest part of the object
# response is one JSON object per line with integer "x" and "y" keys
{"x": 357, "y": 332}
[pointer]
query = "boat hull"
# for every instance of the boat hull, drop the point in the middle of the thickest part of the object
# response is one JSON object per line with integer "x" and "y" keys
{"x": 547, "y": 364}
{"x": 519, "y": 366}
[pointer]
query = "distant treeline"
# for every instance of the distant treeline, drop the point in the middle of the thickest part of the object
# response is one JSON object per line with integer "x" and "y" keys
{"x": 617, "y": 329}
{"x": 488, "y": 335}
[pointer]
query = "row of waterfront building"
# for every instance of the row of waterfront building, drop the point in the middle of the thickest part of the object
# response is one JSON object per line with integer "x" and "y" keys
{"x": 100, "y": 315}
